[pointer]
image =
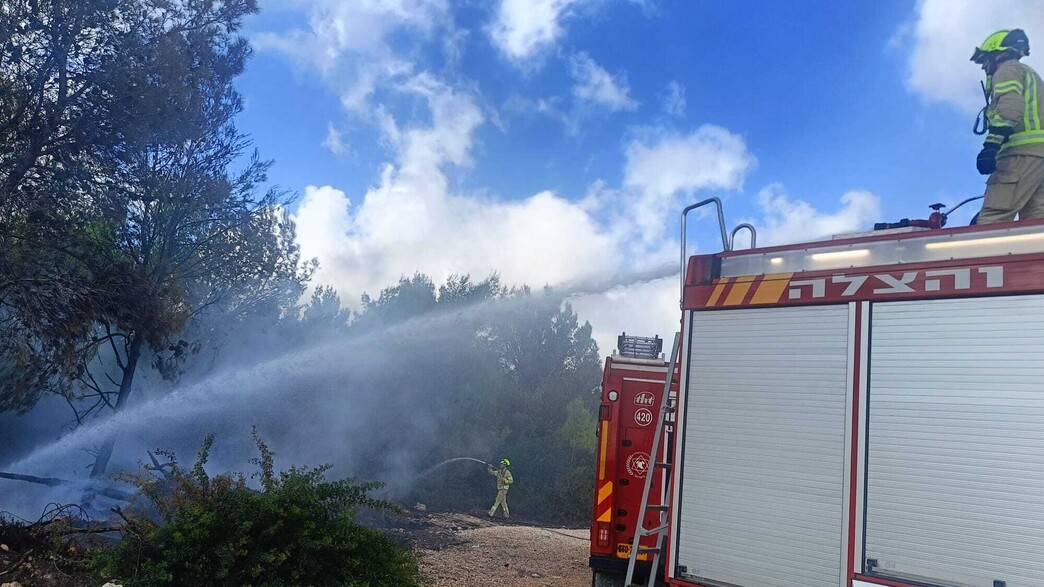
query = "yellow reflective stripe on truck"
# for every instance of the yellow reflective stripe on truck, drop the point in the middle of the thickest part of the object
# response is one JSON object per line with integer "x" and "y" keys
{"x": 771, "y": 289}
{"x": 718, "y": 290}
{"x": 739, "y": 290}
{"x": 605, "y": 443}
{"x": 603, "y": 494}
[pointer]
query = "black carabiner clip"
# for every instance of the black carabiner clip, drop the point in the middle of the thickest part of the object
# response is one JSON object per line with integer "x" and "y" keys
{"x": 981, "y": 125}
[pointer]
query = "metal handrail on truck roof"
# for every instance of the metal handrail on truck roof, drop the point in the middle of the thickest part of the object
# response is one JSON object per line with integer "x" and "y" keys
{"x": 727, "y": 240}
{"x": 739, "y": 227}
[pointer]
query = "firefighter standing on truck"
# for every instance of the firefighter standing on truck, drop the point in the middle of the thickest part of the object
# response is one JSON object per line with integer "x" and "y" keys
{"x": 504, "y": 481}
{"x": 1013, "y": 154}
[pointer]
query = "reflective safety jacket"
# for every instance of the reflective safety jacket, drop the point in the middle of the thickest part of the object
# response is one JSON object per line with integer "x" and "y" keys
{"x": 1015, "y": 108}
{"x": 504, "y": 480}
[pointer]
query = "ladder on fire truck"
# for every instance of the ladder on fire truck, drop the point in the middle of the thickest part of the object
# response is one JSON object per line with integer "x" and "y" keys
{"x": 661, "y": 465}
{"x": 662, "y": 459}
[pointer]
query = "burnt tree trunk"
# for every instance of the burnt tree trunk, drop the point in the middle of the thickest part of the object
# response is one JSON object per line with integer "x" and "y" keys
{"x": 110, "y": 492}
{"x": 101, "y": 461}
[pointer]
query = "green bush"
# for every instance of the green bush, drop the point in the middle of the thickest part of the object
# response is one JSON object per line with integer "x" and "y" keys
{"x": 296, "y": 530}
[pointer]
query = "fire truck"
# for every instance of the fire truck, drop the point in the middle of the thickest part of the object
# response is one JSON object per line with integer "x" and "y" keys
{"x": 632, "y": 387}
{"x": 864, "y": 411}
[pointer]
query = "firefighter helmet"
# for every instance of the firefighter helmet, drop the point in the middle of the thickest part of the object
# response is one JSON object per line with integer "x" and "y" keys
{"x": 1000, "y": 42}
{"x": 505, "y": 462}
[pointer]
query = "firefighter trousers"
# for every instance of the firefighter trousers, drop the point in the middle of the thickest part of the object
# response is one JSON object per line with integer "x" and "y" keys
{"x": 1016, "y": 187}
{"x": 500, "y": 502}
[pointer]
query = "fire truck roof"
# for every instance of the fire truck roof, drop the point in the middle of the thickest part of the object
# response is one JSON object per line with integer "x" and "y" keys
{"x": 889, "y": 248}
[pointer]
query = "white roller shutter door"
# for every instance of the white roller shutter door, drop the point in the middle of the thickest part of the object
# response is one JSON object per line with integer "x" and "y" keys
{"x": 955, "y": 458}
{"x": 761, "y": 499}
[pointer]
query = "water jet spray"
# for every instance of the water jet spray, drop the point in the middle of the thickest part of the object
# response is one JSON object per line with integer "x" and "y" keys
{"x": 315, "y": 403}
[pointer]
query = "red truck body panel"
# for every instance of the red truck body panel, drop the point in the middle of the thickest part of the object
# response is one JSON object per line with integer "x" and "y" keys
{"x": 632, "y": 390}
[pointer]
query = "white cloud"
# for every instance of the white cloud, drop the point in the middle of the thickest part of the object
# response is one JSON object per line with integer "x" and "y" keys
{"x": 710, "y": 157}
{"x": 455, "y": 116}
{"x": 322, "y": 219}
{"x": 360, "y": 27}
{"x": 334, "y": 141}
{"x": 786, "y": 220}
{"x": 940, "y": 39}
{"x": 348, "y": 43}
{"x": 399, "y": 229}
{"x": 667, "y": 165}
{"x": 674, "y": 100}
{"x": 525, "y": 28}
{"x": 595, "y": 85}
{"x": 411, "y": 221}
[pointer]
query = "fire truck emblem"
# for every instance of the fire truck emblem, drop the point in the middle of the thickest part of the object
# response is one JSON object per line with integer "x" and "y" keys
{"x": 643, "y": 417}
{"x": 638, "y": 464}
{"x": 644, "y": 399}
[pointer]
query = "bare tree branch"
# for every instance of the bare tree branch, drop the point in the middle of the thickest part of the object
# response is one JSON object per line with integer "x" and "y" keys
{"x": 110, "y": 492}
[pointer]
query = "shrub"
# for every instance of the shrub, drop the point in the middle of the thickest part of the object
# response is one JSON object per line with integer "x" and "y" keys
{"x": 296, "y": 530}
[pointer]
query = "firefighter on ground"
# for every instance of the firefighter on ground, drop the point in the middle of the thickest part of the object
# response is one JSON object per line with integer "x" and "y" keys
{"x": 504, "y": 481}
{"x": 1013, "y": 154}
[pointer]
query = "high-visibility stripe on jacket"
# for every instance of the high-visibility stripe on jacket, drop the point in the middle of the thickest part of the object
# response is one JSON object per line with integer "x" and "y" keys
{"x": 504, "y": 479}
{"x": 1014, "y": 113}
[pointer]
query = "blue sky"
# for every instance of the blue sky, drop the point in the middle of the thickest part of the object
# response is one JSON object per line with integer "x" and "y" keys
{"x": 555, "y": 140}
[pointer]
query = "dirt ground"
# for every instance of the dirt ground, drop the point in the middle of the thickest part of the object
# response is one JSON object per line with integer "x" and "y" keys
{"x": 459, "y": 550}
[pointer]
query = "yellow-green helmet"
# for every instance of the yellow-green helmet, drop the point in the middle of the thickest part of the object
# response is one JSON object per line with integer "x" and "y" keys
{"x": 505, "y": 462}
{"x": 1001, "y": 41}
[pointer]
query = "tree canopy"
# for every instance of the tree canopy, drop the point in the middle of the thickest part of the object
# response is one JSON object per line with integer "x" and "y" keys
{"x": 130, "y": 202}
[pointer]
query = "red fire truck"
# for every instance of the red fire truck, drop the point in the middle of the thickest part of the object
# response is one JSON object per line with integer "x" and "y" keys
{"x": 859, "y": 412}
{"x": 632, "y": 386}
